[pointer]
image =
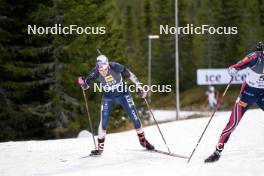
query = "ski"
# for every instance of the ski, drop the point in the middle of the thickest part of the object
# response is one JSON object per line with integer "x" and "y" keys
{"x": 90, "y": 155}
{"x": 169, "y": 154}
{"x": 153, "y": 151}
{"x": 81, "y": 157}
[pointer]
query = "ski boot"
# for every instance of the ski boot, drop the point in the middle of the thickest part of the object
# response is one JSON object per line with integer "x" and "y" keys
{"x": 216, "y": 155}
{"x": 100, "y": 148}
{"x": 144, "y": 143}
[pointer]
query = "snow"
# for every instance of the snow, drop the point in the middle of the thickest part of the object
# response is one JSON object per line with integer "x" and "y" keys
{"x": 84, "y": 134}
{"x": 243, "y": 155}
{"x": 170, "y": 115}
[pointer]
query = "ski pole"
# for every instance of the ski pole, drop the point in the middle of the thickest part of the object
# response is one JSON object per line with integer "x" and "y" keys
{"x": 227, "y": 87}
{"x": 88, "y": 115}
{"x": 157, "y": 124}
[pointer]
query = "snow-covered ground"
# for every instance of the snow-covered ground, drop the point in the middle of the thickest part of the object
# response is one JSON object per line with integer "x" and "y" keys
{"x": 170, "y": 115}
{"x": 243, "y": 155}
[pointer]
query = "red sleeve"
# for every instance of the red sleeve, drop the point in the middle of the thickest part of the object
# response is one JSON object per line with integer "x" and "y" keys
{"x": 248, "y": 61}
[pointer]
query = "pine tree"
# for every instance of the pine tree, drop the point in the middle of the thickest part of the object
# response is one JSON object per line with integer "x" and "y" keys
{"x": 22, "y": 71}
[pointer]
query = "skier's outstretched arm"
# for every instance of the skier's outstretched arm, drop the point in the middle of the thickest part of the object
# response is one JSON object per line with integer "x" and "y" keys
{"x": 248, "y": 61}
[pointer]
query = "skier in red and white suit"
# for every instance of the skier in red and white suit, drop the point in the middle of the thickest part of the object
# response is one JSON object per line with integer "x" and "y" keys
{"x": 252, "y": 91}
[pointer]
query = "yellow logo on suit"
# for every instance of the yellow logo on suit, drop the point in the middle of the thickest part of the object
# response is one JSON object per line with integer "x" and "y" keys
{"x": 109, "y": 78}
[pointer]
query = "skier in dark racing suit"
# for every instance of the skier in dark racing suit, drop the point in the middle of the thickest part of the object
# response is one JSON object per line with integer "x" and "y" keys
{"x": 109, "y": 74}
{"x": 252, "y": 91}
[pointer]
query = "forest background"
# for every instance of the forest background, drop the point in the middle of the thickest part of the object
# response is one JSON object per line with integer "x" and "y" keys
{"x": 39, "y": 94}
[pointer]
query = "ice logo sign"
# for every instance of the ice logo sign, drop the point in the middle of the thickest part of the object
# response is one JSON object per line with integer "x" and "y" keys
{"x": 218, "y": 77}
